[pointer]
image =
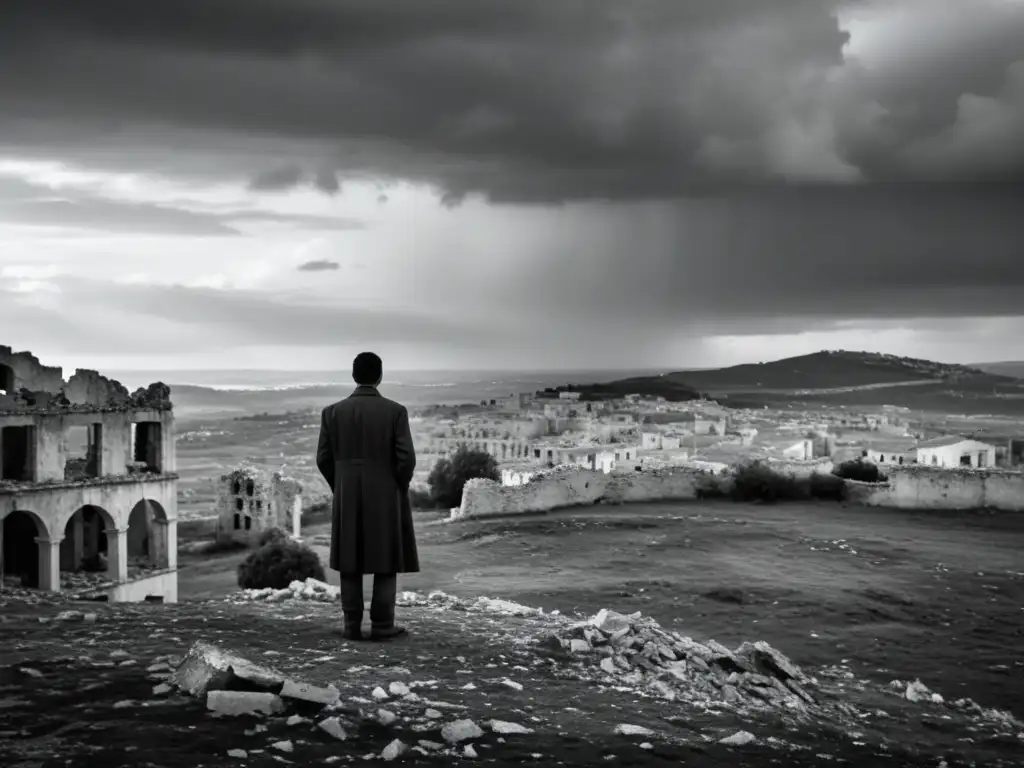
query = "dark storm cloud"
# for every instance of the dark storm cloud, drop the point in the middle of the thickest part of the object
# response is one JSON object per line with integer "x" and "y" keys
{"x": 530, "y": 99}
{"x": 776, "y": 264}
{"x": 318, "y": 265}
{"x": 276, "y": 179}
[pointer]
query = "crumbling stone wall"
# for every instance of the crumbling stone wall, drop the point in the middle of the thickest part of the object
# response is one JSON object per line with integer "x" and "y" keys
{"x": 29, "y": 373}
{"x": 88, "y": 387}
{"x": 911, "y": 487}
{"x": 546, "y": 490}
{"x": 924, "y": 487}
{"x": 567, "y": 487}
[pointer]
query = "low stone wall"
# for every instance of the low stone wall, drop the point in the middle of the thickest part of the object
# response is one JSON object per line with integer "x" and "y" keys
{"x": 578, "y": 487}
{"x": 921, "y": 487}
{"x": 908, "y": 487}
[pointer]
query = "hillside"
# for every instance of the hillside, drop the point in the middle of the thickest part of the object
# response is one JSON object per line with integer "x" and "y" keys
{"x": 1006, "y": 368}
{"x": 824, "y": 370}
{"x": 861, "y": 378}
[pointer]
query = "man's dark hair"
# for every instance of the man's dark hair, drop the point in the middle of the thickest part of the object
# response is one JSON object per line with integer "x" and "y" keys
{"x": 367, "y": 368}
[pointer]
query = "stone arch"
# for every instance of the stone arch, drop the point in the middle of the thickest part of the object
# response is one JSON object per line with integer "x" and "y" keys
{"x": 6, "y": 379}
{"x": 85, "y": 544}
{"x": 20, "y": 551}
{"x": 147, "y": 533}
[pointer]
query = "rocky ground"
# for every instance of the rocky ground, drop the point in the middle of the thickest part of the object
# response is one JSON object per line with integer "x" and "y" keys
{"x": 481, "y": 681}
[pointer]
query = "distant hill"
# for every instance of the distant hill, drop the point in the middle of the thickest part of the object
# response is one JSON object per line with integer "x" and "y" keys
{"x": 854, "y": 378}
{"x": 823, "y": 370}
{"x": 1008, "y": 368}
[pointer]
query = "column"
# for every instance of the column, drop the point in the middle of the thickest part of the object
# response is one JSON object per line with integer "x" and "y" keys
{"x": 77, "y": 539}
{"x": 158, "y": 544}
{"x": 171, "y": 538}
{"x": 297, "y": 516}
{"x": 49, "y": 563}
{"x": 117, "y": 555}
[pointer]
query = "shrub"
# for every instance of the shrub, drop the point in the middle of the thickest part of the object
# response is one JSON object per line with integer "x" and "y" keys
{"x": 828, "y": 487}
{"x": 709, "y": 486}
{"x": 450, "y": 473}
{"x": 755, "y": 481}
{"x": 272, "y": 535}
{"x": 278, "y": 564}
{"x": 858, "y": 469}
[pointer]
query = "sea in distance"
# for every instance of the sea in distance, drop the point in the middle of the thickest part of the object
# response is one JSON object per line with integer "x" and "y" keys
{"x": 237, "y": 392}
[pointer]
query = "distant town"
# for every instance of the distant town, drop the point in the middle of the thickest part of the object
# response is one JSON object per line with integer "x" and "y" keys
{"x": 528, "y": 433}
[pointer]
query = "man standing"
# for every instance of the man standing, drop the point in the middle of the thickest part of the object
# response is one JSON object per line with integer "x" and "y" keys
{"x": 367, "y": 457}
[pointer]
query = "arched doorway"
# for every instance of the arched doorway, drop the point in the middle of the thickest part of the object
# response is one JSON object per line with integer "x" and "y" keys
{"x": 147, "y": 535}
{"x": 85, "y": 546}
{"x": 6, "y": 380}
{"x": 20, "y": 550}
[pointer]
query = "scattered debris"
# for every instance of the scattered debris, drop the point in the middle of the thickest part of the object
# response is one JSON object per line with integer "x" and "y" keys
{"x": 461, "y": 730}
{"x": 738, "y": 739}
{"x": 637, "y": 651}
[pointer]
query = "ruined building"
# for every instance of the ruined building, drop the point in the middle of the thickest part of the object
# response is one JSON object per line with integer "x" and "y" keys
{"x": 251, "y": 500}
{"x": 88, "y": 490}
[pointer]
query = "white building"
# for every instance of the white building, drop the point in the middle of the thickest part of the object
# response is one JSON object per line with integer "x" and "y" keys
{"x": 955, "y": 451}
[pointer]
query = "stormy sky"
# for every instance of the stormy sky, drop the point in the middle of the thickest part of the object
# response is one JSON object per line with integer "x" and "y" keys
{"x": 542, "y": 184}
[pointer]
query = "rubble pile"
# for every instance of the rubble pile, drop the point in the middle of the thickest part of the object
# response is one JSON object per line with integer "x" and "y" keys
{"x": 310, "y": 589}
{"x": 320, "y": 591}
{"x": 636, "y": 651}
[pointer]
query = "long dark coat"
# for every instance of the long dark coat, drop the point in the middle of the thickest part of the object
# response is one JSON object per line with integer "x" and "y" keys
{"x": 367, "y": 457}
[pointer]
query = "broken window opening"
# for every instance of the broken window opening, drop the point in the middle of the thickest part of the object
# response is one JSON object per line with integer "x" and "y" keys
{"x": 83, "y": 447}
{"x": 250, "y": 487}
{"x": 6, "y": 380}
{"x": 248, "y": 523}
{"x": 237, "y": 487}
{"x": 146, "y": 436}
{"x": 239, "y": 505}
{"x": 238, "y": 521}
{"x": 18, "y": 454}
{"x": 965, "y": 460}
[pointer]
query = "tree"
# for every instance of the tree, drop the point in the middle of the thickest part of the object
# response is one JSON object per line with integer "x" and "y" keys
{"x": 450, "y": 473}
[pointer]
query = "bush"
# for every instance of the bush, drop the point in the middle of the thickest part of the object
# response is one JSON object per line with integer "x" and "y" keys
{"x": 828, "y": 487}
{"x": 709, "y": 486}
{"x": 858, "y": 469}
{"x": 450, "y": 474}
{"x": 278, "y": 564}
{"x": 755, "y": 481}
{"x": 272, "y": 535}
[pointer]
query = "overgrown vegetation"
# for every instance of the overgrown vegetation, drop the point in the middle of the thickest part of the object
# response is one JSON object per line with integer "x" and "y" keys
{"x": 860, "y": 470}
{"x": 757, "y": 481}
{"x": 278, "y": 563}
{"x": 450, "y": 473}
{"x": 271, "y": 535}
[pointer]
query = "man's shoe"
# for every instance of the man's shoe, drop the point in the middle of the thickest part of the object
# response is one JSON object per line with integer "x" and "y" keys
{"x": 352, "y": 633}
{"x": 387, "y": 633}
